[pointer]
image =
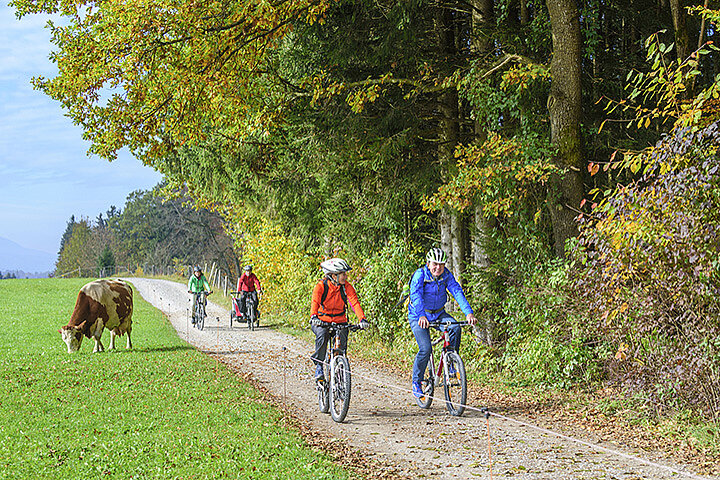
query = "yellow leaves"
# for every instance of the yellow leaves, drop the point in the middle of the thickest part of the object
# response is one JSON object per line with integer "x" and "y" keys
{"x": 498, "y": 174}
{"x": 622, "y": 351}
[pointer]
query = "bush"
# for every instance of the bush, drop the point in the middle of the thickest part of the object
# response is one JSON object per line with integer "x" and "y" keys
{"x": 651, "y": 276}
{"x": 286, "y": 272}
{"x": 547, "y": 344}
{"x": 381, "y": 286}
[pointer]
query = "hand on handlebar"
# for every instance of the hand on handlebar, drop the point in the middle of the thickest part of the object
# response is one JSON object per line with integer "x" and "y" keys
{"x": 471, "y": 319}
{"x": 423, "y": 322}
{"x": 315, "y": 321}
{"x": 364, "y": 324}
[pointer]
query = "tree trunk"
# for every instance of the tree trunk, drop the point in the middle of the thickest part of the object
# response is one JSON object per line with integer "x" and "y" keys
{"x": 524, "y": 13}
{"x": 459, "y": 252}
{"x": 449, "y": 133}
{"x": 564, "y": 104}
{"x": 483, "y": 20}
{"x": 682, "y": 36}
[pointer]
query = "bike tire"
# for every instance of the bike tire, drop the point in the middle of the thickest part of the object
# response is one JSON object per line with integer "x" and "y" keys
{"x": 428, "y": 385}
{"x": 201, "y": 317}
{"x": 455, "y": 388}
{"x": 232, "y": 317}
{"x": 250, "y": 309}
{"x": 340, "y": 388}
{"x": 323, "y": 389}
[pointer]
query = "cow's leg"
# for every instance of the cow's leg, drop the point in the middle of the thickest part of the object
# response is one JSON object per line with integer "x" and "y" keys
{"x": 129, "y": 342}
{"x": 98, "y": 345}
{"x": 112, "y": 340}
{"x": 97, "y": 335}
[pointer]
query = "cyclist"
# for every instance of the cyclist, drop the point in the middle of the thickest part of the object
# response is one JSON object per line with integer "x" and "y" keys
{"x": 330, "y": 298}
{"x": 428, "y": 295}
{"x": 198, "y": 284}
{"x": 249, "y": 285}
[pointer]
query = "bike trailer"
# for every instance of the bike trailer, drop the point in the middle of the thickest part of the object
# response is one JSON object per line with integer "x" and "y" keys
{"x": 236, "y": 307}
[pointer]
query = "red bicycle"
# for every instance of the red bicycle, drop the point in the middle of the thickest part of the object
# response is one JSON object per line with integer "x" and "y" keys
{"x": 450, "y": 374}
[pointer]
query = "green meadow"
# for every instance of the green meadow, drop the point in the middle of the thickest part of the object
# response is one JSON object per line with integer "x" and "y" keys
{"x": 161, "y": 410}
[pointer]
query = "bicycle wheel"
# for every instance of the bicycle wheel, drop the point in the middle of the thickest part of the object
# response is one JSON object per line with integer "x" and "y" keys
{"x": 455, "y": 387}
{"x": 340, "y": 385}
{"x": 232, "y": 316}
{"x": 250, "y": 309}
{"x": 428, "y": 385}
{"x": 201, "y": 317}
{"x": 323, "y": 390}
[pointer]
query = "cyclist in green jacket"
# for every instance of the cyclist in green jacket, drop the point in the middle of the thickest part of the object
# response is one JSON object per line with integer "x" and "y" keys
{"x": 198, "y": 284}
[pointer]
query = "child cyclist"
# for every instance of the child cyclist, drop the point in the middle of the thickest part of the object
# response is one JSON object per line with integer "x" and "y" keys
{"x": 330, "y": 298}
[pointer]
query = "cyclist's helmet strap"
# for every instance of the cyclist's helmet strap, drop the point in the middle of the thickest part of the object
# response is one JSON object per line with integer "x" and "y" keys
{"x": 325, "y": 293}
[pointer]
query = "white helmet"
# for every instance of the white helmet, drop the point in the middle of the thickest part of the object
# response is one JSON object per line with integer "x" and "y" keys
{"x": 436, "y": 255}
{"x": 335, "y": 265}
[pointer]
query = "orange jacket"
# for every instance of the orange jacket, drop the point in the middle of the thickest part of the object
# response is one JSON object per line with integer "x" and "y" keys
{"x": 333, "y": 309}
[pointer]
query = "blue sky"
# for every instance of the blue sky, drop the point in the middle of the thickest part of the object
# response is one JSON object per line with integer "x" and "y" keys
{"x": 45, "y": 173}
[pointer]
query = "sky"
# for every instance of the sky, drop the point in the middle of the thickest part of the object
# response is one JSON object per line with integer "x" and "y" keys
{"x": 45, "y": 173}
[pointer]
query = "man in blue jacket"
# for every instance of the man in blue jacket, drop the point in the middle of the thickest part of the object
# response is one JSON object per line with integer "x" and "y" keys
{"x": 428, "y": 295}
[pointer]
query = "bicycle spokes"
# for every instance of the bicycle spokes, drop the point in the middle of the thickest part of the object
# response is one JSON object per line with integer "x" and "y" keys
{"x": 455, "y": 383}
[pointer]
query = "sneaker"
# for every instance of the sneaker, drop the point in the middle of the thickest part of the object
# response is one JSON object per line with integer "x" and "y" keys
{"x": 319, "y": 373}
{"x": 451, "y": 371}
{"x": 417, "y": 390}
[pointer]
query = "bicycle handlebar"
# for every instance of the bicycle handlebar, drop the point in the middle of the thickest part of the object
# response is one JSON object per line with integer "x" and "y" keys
{"x": 464, "y": 322}
{"x": 340, "y": 326}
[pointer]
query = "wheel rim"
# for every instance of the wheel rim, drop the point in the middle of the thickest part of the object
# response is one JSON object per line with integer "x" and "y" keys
{"x": 340, "y": 389}
{"x": 455, "y": 387}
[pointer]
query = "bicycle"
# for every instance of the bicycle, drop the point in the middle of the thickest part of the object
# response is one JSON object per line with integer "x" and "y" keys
{"x": 251, "y": 316}
{"x": 251, "y": 312}
{"x": 199, "y": 313}
{"x": 335, "y": 395}
{"x": 455, "y": 386}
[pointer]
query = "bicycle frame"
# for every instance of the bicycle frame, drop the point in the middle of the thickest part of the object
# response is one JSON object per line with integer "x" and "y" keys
{"x": 445, "y": 339}
{"x": 334, "y": 392}
{"x": 450, "y": 374}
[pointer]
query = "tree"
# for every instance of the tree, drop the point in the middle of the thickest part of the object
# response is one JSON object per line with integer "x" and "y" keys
{"x": 76, "y": 254}
{"x": 106, "y": 262}
{"x": 67, "y": 233}
{"x": 565, "y": 106}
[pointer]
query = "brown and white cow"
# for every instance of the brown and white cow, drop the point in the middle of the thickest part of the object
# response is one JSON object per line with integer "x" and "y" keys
{"x": 100, "y": 304}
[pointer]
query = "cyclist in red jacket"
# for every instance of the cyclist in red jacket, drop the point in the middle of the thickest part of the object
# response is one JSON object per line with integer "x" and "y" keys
{"x": 248, "y": 284}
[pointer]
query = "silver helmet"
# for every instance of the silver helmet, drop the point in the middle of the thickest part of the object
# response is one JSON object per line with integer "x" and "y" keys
{"x": 335, "y": 265}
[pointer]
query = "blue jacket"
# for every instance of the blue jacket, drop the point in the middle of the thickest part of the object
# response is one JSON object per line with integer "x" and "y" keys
{"x": 428, "y": 295}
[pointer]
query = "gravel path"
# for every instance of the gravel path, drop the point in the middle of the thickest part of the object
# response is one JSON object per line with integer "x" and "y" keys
{"x": 384, "y": 423}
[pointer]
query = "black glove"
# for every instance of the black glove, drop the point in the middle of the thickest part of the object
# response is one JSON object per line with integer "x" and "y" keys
{"x": 315, "y": 321}
{"x": 364, "y": 324}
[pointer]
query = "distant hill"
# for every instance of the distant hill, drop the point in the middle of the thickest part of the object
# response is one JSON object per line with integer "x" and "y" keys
{"x": 24, "y": 262}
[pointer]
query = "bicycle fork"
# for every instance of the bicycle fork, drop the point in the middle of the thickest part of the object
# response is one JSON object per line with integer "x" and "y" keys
{"x": 442, "y": 364}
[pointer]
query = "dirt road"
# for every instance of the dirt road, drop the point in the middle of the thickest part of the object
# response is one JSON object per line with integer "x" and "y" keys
{"x": 384, "y": 424}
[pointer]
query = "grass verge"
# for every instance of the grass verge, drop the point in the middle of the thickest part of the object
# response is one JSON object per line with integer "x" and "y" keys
{"x": 161, "y": 410}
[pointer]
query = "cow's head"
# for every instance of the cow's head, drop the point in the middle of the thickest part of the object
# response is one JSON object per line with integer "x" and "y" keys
{"x": 72, "y": 336}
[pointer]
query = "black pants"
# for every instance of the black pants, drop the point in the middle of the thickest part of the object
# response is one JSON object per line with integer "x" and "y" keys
{"x": 322, "y": 336}
{"x": 243, "y": 297}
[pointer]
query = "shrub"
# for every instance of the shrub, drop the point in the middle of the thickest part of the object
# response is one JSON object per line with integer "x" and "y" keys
{"x": 381, "y": 286}
{"x": 651, "y": 275}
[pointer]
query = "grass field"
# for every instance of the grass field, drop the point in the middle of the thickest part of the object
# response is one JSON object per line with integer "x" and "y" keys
{"x": 161, "y": 410}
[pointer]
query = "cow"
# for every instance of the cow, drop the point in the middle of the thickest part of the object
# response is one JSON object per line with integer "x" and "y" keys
{"x": 100, "y": 304}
